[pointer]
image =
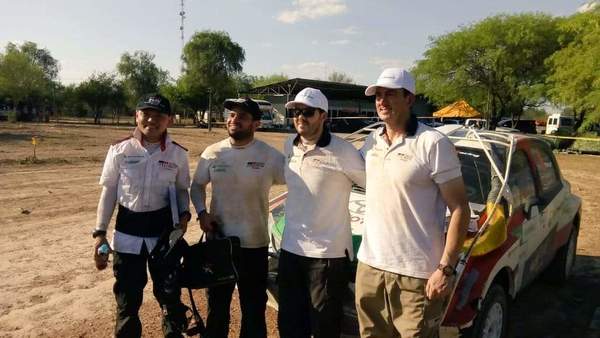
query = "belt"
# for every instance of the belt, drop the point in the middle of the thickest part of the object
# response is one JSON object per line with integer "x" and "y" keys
{"x": 143, "y": 224}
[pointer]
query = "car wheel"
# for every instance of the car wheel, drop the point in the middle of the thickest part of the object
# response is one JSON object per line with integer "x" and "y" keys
{"x": 561, "y": 267}
{"x": 492, "y": 320}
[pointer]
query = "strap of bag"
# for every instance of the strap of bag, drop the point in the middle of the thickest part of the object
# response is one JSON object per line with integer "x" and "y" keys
{"x": 199, "y": 328}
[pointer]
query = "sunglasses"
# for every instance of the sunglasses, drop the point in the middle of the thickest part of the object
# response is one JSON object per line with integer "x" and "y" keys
{"x": 306, "y": 112}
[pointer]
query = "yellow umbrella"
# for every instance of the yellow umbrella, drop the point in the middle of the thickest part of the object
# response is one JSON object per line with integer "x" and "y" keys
{"x": 458, "y": 109}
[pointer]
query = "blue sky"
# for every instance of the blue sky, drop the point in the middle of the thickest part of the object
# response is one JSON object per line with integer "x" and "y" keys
{"x": 300, "y": 38}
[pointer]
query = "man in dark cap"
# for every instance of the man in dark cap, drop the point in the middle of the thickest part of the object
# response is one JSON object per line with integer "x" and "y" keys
{"x": 241, "y": 171}
{"x": 138, "y": 173}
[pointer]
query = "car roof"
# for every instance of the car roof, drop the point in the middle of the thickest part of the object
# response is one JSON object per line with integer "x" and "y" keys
{"x": 469, "y": 137}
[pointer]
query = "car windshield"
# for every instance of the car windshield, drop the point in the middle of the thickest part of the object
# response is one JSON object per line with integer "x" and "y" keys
{"x": 476, "y": 171}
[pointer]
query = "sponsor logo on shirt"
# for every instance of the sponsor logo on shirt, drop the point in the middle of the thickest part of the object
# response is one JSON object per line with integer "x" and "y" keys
{"x": 220, "y": 167}
{"x": 255, "y": 165}
{"x": 167, "y": 165}
{"x": 133, "y": 159}
{"x": 322, "y": 163}
{"x": 404, "y": 157}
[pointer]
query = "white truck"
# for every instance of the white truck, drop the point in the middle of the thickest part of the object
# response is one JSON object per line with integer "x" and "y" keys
{"x": 559, "y": 124}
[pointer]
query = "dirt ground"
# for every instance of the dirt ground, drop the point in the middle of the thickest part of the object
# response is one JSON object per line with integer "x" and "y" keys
{"x": 49, "y": 286}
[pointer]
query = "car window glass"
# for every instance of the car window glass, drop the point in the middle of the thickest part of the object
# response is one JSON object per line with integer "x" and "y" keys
{"x": 549, "y": 179}
{"x": 476, "y": 172}
{"x": 520, "y": 180}
{"x": 566, "y": 121}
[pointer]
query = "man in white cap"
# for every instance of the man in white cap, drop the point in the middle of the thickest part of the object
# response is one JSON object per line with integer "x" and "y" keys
{"x": 406, "y": 261}
{"x": 317, "y": 239}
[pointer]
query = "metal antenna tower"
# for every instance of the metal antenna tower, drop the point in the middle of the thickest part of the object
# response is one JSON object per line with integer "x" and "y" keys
{"x": 182, "y": 15}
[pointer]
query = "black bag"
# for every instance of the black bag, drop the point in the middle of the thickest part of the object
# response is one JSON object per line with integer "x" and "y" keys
{"x": 210, "y": 263}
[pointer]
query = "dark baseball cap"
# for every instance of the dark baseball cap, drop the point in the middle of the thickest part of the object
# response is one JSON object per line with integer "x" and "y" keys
{"x": 248, "y": 105}
{"x": 155, "y": 101}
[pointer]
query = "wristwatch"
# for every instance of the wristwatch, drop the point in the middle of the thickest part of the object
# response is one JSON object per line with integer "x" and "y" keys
{"x": 98, "y": 232}
{"x": 447, "y": 270}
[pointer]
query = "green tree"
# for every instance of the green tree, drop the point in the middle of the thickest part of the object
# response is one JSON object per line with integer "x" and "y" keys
{"x": 98, "y": 92}
{"x": 39, "y": 56}
{"x": 140, "y": 74}
{"x": 574, "y": 78}
{"x": 68, "y": 101}
{"x": 340, "y": 77}
{"x": 497, "y": 64}
{"x": 21, "y": 79}
{"x": 211, "y": 60}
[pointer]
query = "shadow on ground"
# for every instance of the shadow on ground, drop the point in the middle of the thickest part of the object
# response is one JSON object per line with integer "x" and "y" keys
{"x": 552, "y": 311}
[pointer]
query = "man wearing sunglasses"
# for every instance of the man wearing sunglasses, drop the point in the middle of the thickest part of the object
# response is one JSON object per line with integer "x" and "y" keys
{"x": 317, "y": 239}
{"x": 241, "y": 171}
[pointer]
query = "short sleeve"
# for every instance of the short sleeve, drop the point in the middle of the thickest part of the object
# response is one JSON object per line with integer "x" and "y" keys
{"x": 278, "y": 167}
{"x": 443, "y": 161}
{"x": 353, "y": 165}
{"x": 110, "y": 171}
{"x": 182, "y": 181}
{"x": 202, "y": 173}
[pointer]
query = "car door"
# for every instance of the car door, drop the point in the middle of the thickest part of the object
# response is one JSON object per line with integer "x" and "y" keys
{"x": 548, "y": 185}
{"x": 525, "y": 206}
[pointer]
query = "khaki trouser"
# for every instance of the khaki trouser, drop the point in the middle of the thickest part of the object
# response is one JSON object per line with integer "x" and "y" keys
{"x": 393, "y": 305}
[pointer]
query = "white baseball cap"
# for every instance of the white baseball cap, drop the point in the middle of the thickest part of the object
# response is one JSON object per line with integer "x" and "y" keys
{"x": 393, "y": 78}
{"x": 310, "y": 97}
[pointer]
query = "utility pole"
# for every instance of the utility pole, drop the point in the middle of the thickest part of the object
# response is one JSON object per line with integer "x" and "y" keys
{"x": 181, "y": 27}
{"x": 209, "y": 109}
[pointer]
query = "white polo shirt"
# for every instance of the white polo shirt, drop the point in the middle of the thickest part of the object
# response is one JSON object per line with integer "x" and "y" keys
{"x": 319, "y": 180}
{"x": 142, "y": 182}
{"x": 241, "y": 178}
{"x": 405, "y": 212}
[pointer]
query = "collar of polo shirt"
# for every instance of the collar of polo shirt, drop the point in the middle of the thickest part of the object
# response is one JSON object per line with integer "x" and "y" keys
{"x": 411, "y": 127}
{"x": 323, "y": 141}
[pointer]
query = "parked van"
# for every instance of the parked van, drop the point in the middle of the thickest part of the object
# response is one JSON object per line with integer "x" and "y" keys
{"x": 557, "y": 124}
{"x": 266, "y": 121}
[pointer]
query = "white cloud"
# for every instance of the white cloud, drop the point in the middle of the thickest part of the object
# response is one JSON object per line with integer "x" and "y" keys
{"x": 350, "y": 30}
{"x": 308, "y": 70}
{"x": 311, "y": 10}
{"x": 389, "y": 63}
{"x": 339, "y": 42}
{"x": 266, "y": 44}
{"x": 314, "y": 42}
{"x": 381, "y": 43}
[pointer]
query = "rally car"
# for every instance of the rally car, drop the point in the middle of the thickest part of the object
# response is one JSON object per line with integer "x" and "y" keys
{"x": 524, "y": 223}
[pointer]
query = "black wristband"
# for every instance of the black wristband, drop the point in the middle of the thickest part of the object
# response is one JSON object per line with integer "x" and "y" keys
{"x": 98, "y": 232}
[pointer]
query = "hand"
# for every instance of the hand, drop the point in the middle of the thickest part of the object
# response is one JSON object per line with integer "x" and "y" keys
{"x": 438, "y": 285}
{"x": 184, "y": 220}
{"x": 206, "y": 221}
{"x": 100, "y": 260}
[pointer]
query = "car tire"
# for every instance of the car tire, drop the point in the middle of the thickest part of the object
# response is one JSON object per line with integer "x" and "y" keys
{"x": 559, "y": 270}
{"x": 492, "y": 320}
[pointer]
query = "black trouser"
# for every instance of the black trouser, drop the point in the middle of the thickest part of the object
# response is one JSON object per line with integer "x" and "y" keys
{"x": 311, "y": 292}
{"x": 131, "y": 277}
{"x": 252, "y": 268}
